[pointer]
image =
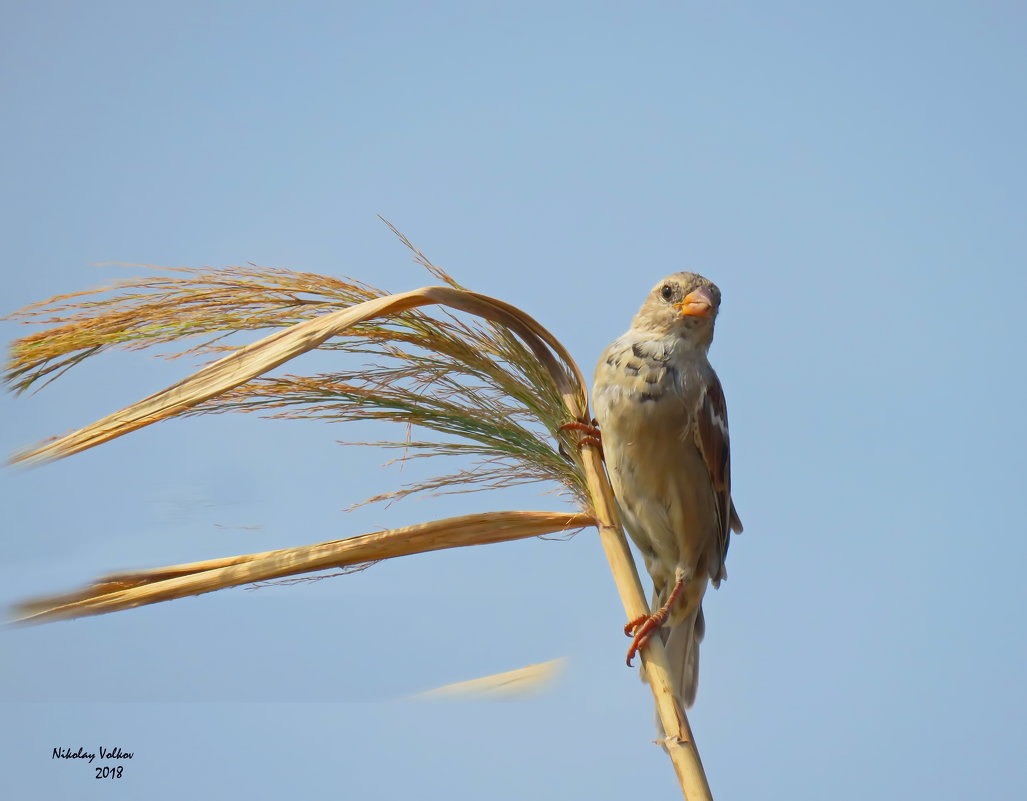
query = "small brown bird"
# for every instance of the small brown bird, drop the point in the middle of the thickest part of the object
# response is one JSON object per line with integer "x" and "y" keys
{"x": 663, "y": 418}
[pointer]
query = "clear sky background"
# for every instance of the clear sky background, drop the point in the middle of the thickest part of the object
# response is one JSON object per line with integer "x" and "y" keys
{"x": 852, "y": 175}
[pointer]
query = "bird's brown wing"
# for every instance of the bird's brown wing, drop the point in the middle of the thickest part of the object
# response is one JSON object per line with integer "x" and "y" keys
{"x": 715, "y": 443}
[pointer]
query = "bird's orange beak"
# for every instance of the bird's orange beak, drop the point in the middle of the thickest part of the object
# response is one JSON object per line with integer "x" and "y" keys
{"x": 696, "y": 304}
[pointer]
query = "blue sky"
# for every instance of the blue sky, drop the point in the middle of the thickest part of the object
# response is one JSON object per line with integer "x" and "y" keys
{"x": 852, "y": 175}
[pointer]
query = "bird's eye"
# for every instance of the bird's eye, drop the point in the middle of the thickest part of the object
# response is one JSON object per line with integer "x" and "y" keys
{"x": 667, "y": 292}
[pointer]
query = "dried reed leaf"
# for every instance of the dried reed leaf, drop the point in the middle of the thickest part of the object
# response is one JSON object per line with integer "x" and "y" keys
{"x": 128, "y": 590}
{"x": 271, "y": 351}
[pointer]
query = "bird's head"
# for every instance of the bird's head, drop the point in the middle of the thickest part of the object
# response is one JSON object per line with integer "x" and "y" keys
{"x": 682, "y": 304}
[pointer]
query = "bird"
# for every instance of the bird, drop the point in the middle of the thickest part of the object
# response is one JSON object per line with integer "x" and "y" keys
{"x": 662, "y": 418}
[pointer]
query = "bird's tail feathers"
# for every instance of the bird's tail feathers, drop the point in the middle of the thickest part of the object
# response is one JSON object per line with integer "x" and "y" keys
{"x": 682, "y": 644}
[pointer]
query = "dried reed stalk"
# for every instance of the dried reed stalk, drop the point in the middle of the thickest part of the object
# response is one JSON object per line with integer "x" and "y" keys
{"x": 678, "y": 740}
{"x": 74, "y": 342}
{"x": 128, "y": 590}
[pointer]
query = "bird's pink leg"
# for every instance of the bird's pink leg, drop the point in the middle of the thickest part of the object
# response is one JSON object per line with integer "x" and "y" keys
{"x": 591, "y": 431}
{"x": 642, "y": 628}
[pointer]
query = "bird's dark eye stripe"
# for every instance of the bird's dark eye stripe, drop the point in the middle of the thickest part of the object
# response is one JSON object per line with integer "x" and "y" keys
{"x": 667, "y": 291}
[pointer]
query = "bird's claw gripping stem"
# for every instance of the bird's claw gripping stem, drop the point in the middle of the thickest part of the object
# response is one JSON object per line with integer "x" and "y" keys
{"x": 643, "y": 626}
{"x": 591, "y": 431}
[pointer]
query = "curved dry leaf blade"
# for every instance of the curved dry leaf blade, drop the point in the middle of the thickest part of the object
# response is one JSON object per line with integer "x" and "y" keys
{"x": 253, "y": 360}
{"x": 131, "y": 589}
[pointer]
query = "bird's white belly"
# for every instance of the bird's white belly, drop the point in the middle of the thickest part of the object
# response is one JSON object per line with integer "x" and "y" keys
{"x": 654, "y": 466}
